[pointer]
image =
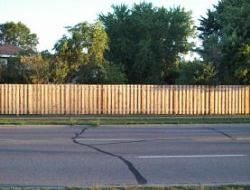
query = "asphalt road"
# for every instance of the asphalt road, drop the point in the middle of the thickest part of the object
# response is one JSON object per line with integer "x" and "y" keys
{"x": 124, "y": 155}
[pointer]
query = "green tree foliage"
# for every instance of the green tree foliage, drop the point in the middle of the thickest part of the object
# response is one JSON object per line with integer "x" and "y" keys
{"x": 105, "y": 73}
{"x": 197, "y": 73}
{"x": 35, "y": 69}
{"x": 59, "y": 70}
{"x": 147, "y": 41}
{"x": 19, "y": 35}
{"x": 225, "y": 32}
{"x": 12, "y": 72}
{"x": 242, "y": 73}
{"x": 69, "y": 51}
{"x": 80, "y": 56}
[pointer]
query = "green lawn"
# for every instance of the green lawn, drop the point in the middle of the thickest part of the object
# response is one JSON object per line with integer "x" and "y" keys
{"x": 115, "y": 120}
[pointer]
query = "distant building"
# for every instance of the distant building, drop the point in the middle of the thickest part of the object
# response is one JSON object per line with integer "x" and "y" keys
{"x": 6, "y": 52}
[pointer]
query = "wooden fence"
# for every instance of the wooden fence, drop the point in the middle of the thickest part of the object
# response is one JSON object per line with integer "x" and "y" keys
{"x": 124, "y": 99}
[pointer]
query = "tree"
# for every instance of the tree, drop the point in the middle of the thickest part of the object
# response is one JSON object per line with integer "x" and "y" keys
{"x": 19, "y": 35}
{"x": 105, "y": 73}
{"x": 59, "y": 70}
{"x": 147, "y": 41}
{"x": 242, "y": 73}
{"x": 12, "y": 72}
{"x": 225, "y": 33}
{"x": 79, "y": 56}
{"x": 35, "y": 69}
{"x": 97, "y": 70}
{"x": 197, "y": 73}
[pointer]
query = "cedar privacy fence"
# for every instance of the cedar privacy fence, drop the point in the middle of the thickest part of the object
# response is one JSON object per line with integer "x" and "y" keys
{"x": 124, "y": 99}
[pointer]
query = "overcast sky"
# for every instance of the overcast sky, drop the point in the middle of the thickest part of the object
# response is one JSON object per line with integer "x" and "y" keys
{"x": 47, "y": 18}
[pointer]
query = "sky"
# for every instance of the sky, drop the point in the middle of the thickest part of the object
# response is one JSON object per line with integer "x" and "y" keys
{"x": 48, "y": 18}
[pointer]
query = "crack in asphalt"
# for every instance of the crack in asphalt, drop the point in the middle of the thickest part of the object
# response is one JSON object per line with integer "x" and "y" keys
{"x": 138, "y": 176}
{"x": 126, "y": 142}
{"x": 222, "y": 133}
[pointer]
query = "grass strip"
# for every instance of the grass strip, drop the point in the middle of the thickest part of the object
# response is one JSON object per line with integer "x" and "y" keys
{"x": 229, "y": 187}
{"x": 120, "y": 120}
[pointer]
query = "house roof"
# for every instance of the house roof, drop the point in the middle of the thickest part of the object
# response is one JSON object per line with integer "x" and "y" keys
{"x": 9, "y": 50}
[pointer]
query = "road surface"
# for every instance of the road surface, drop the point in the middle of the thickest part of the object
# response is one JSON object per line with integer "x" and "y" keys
{"x": 124, "y": 155}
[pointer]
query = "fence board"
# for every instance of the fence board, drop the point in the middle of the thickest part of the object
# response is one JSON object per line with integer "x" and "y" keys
{"x": 167, "y": 99}
{"x": 247, "y": 97}
{"x": 163, "y": 91}
{"x": 226, "y": 106}
{"x": 148, "y": 99}
{"x": 5, "y": 99}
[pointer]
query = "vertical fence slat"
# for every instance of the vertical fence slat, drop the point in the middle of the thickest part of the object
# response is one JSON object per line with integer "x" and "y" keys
{"x": 179, "y": 100}
{"x": 216, "y": 102}
{"x": 243, "y": 100}
{"x": 99, "y": 104}
{"x": 229, "y": 92}
{"x": 83, "y": 105}
{"x": 175, "y": 100}
{"x": 226, "y": 111}
{"x": 199, "y": 105}
{"x": 119, "y": 99}
{"x": 143, "y": 99}
{"x": 87, "y": 99}
{"x": 194, "y": 100}
{"x": 123, "y": 100}
{"x": 152, "y": 101}
{"x": 13, "y": 102}
{"x": 108, "y": 99}
{"x": 184, "y": 100}
{"x": 49, "y": 96}
{"x": 6, "y": 101}
{"x": 14, "y": 108}
{"x": 187, "y": 100}
{"x": 139, "y": 99}
{"x": 170, "y": 100}
{"x": 1, "y": 98}
{"x": 62, "y": 100}
{"x": 131, "y": 99}
{"x": 167, "y": 100}
{"x": 231, "y": 96}
{"x": 9, "y": 99}
{"x": 53, "y": 91}
{"x": 163, "y": 95}
{"x": 66, "y": 92}
{"x": 247, "y": 100}
{"x": 38, "y": 100}
{"x": 20, "y": 99}
{"x": 236, "y": 100}
{"x": 112, "y": 99}
{"x": 94, "y": 102}
{"x": 17, "y": 100}
{"x": 148, "y": 99}
{"x": 75, "y": 100}
{"x": 240, "y": 100}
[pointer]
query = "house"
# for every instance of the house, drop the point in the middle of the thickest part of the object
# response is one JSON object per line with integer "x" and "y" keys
{"x": 6, "y": 52}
